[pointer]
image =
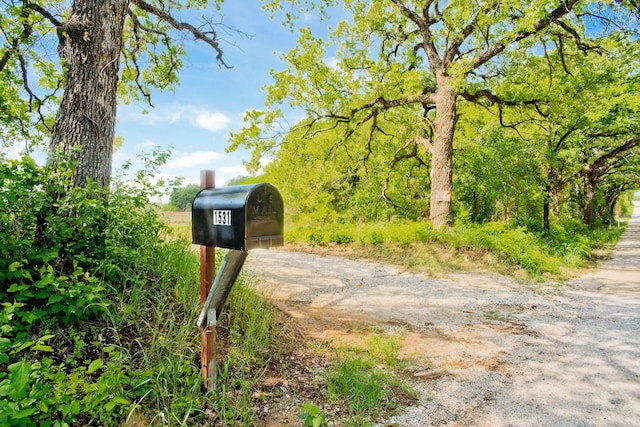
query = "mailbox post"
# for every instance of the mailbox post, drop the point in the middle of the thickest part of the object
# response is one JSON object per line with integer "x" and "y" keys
{"x": 238, "y": 218}
{"x": 207, "y": 272}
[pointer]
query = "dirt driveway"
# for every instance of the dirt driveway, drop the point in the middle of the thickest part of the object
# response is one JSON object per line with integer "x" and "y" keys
{"x": 488, "y": 351}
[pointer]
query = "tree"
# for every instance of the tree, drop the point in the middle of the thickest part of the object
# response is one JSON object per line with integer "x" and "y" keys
{"x": 103, "y": 46}
{"x": 584, "y": 126}
{"x": 420, "y": 59}
{"x": 182, "y": 197}
{"x": 323, "y": 180}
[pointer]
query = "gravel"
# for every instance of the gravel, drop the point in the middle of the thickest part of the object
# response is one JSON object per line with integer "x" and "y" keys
{"x": 504, "y": 354}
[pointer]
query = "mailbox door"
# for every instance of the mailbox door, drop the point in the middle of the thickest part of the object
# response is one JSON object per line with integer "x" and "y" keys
{"x": 238, "y": 217}
{"x": 265, "y": 218}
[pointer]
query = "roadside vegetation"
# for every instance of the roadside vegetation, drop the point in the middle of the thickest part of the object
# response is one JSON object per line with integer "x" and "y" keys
{"x": 99, "y": 301}
{"x": 505, "y": 248}
{"x": 99, "y": 312}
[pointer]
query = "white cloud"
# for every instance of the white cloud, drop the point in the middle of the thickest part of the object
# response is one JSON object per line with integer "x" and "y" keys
{"x": 235, "y": 169}
{"x": 213, "y": 121}
{"x": 16, "y": 151}
{"x": 12, "y": 152}
{"x": 196, "y": 158}
{"x": 331, "y": 62}
{"x": 265, "y": 161}
{"x": 146, "y": 144}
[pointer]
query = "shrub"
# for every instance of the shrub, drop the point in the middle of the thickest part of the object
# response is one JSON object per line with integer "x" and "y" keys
{"x": 317, "y": 238}
{"x": 66, "y": 255}
{"x": 60, "y": 243}
{"x": 341, "y": 237}
{"x": 46, "y": 243}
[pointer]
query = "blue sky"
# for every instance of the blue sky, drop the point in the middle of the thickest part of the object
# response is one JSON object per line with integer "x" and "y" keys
{"x": 196, "y": 118}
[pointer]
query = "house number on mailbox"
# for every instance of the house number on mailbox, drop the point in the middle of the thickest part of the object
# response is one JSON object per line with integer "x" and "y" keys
{"x": 222, "y": 217}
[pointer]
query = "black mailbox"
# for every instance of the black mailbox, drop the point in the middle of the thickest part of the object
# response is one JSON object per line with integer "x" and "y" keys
{"x": 239, "y": 217}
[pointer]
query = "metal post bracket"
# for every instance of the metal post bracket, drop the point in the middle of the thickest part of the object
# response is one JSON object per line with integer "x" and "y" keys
{"x": 222, "y": 285}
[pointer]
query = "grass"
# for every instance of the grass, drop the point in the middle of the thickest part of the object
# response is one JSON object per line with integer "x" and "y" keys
{"x": 250, "y": 341}
{"x": 498, "y": 247}
{"x": 365, "y": 380}
{"x": 180, "y": 223}
{"x": 141, "y": 360}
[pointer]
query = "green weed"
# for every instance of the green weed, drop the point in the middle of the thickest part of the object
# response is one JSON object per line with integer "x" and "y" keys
{"x": 357, "y": 379}
{"x": 360, "y": 383}
{"x": 312, "y": 416}
{"x": 503, "y": 247}
{"x": 98, "y": 314}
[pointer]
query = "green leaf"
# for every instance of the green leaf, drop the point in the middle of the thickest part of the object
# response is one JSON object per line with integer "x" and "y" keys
{"x": 15, "y": 287}
{"x": 115, "y": 401}
{"x": 19, "y": 379}
{"x": 14, "y": 266}
{"x": 23, "y": 345}
{"x": 5, "y": 388}
{"x": 94, "y": 366}
{"x": 5, "y": 343}
{"x": 54, "y": 298}
{"x": 23, "y": 413}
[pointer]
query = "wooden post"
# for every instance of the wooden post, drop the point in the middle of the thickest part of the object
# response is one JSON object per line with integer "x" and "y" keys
{"x": 207, "y": 273}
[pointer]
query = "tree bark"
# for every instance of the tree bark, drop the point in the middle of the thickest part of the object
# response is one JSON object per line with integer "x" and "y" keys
{"x": 90, "y": 46}
{"x": 589, "y": 212}
{"x": 442, "y": 154}
{"x": 546, "y": 208}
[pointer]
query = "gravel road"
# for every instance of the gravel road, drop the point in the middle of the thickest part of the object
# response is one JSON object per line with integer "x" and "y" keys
{"x": 489, "y": 351}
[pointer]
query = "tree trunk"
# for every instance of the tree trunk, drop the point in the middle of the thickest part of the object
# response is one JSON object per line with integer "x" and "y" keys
{"x": 546, "y": 208}
{"x": 90, "y": 46}
{"x": 588, "y": 213}
{"x": 442, "y": 154}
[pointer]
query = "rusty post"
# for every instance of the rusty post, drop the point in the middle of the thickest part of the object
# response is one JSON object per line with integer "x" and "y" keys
{"x": 207, "y": 273}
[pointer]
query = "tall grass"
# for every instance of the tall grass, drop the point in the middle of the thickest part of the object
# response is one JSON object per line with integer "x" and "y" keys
{"x": 247, "y": 331}
{"x": 504, "y": 247}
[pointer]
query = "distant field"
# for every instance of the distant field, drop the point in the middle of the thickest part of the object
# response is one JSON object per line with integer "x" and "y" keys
{"x": 176, "y": 217}
{"x": 180, "y": 223}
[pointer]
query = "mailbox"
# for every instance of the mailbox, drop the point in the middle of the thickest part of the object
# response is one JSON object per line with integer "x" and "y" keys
{"x": 239, "y": 217}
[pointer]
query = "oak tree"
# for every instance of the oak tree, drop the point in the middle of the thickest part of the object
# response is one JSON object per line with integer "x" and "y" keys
{"x": 585, "y": 126}
{"x": 416, "y": 61}
{"x": 72, "y": 60}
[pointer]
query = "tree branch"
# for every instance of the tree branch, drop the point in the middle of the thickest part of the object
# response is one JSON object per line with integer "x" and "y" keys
{"x": 454, "y": 49}
{"x": 601, "y": 161}
{"x": 500, "y": 46}
{"x": 45, "y": 13}
{"x": 493, "y": 98}
{"x": 13, "y": 45}
{"x": 208, "y": 37}
{"x": 423, "y": 23}
{"x": 576, "y": 37}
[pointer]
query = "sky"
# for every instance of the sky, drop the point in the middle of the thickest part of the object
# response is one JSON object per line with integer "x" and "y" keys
{"x": 195, "y": 118}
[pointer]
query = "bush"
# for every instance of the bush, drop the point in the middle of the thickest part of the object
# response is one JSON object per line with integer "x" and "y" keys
{"x": 61, "y": 244}
{"x": 46, "y": 245}
{"x": 98, "y": 309}
{"x": 66, "y": 253}
{"x": 341, "y": 237}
